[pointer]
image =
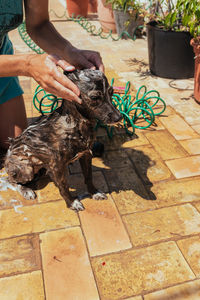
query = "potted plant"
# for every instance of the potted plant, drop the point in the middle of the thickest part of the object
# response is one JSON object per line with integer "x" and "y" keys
{"x": 168, "y": 36}
{"x": 128, "y": 15}
{"x": 191, "y": 18}
{"x": 106, "y": 17}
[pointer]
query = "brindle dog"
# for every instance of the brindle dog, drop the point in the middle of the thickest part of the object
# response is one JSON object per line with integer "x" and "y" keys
{"x": 54, "y": 141}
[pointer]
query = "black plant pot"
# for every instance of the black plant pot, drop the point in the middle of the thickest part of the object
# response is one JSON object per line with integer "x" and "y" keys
{"x": 170, "y": 53}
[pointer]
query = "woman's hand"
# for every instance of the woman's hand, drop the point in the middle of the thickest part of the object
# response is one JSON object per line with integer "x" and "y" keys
{"x": 85, "y": 59}
{"x": 43, "y": 68}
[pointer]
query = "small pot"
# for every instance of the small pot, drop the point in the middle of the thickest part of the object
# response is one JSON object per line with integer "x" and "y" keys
{"x": 106, "y": 17}
{"x": 92, "y": 6}
{"x": 195, "y": 43}
{"x": 126, "y": 22}
{"x": 170, "y": 53}
{"x": 77, "y": 8}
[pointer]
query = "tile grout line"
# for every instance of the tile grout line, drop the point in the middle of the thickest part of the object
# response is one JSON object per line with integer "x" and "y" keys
{"x": 88, "y": 253}
{"x": 140, "y": 247}
{"x": 186, "y": 260}
{"x": 124, "y": 225}
{"x": 42, "y": 269}
{"x": 39, "y": 232}
{"x": 110, "y": 193}
{"x": 162, "y": 207}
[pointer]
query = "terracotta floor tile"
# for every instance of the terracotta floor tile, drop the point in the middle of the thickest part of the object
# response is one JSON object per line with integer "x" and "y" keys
{"x": 19, "y": 255}
{"x": 115, "y": 159}
{"x": 168, "y": 111}
{"x": 190, "y": 248}
{"x": 78, "y": 187}
{"x": 197, "y": 205}
{"x": 23, "y": 287}
{"x": 191, "y": 115}
{"x": 123, "y": 141}
{"x": 141, "y": 270}
{"x": 134, "y": 298}
{"x": 149, "y": 164}
{"x": 13, "y": 199}
{"x": 176, "y": 191}
{"x": 157, "y": 125}
{"x": 196, "y": 128}
{"x": 179, "y": 128}
{"x": 36, "y": 218}
{"x": 186, "y": 291}
{"x": 47, "y": 191}
{"x": 66, "y": 266}
{"x": 165, "y": 144}
{"x": 191, "y": 146}
{"x": 171, "y": 222}
{"x": 129, "y": 201}
{"x": 127, "y": 190}
{"x": 124, "y": 179}
{"x": 103, "y": 227}
{"x": 185, "y": 167}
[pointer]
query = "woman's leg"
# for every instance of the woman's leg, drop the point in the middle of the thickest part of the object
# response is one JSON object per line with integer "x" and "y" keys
{"x": 12, "y": 119}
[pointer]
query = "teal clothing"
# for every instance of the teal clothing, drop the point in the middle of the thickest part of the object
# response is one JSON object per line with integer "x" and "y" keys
{"x": 11, "y": 16}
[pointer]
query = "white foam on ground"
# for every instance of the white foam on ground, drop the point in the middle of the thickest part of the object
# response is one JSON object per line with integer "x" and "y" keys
{"x": 4, "y": 185}
{"x": 63, "y": 2}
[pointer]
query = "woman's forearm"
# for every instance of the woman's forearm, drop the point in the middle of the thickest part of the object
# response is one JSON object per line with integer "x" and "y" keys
{"x": 14, "y": 65}
{"x": 47, "y": 37}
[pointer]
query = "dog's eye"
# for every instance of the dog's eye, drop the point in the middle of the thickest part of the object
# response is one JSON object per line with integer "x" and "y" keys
{"x": 95, "y": 97}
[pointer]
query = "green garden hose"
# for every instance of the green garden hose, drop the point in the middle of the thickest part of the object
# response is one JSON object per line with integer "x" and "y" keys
{"x": 84, "y": 23}
{"x": 139, "y": 112}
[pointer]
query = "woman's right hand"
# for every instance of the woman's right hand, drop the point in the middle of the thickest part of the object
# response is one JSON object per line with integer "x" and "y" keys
{"x": 43, "y": 68}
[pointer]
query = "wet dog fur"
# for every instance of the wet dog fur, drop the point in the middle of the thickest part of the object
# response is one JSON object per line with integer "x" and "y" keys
{"x": 67, "y": 134}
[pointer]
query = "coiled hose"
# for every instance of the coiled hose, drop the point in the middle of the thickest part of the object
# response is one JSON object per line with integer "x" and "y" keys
{"x": 138, "y": 112}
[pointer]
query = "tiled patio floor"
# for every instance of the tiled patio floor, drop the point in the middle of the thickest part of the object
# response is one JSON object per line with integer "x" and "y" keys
{"x": 141, "y": 243}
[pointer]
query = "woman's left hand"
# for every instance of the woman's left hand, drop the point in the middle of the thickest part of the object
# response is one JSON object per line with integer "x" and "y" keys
{"x": 85, "y": 59}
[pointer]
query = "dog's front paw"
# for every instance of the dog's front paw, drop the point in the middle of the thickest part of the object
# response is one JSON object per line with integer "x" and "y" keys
{"x": 99, "y": 196}
{"x": 77, "y": 205}
{"x": 27, "y": 193}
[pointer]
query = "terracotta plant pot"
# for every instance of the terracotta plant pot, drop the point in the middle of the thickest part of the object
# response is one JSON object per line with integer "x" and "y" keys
{"x": 92, "y": 6}
{"x": 196, "y": 47}
{"x": 106, "y": 17}
{"x": 77, "y": 7}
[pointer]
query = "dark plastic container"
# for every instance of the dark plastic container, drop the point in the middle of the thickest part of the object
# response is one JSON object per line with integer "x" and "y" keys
{"x": 124, "y": 23}
{"x": 170, "y": 53}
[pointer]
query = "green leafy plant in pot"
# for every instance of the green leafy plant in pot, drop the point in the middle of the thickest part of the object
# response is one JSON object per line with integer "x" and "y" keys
{"x": 170, "y": 52}
{"x": 191, "y": 19}
{"x": 128, "y": 15}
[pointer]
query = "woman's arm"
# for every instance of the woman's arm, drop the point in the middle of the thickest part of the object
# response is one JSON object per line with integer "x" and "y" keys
{"x": 47, "y": 37}
{"x": 42, "y": 68}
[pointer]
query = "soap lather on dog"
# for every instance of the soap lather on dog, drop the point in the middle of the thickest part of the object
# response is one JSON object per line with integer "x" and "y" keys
{"x": 54, "y": 141}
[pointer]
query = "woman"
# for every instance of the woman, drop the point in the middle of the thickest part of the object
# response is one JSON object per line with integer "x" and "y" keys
{"x": 41, "y": 67}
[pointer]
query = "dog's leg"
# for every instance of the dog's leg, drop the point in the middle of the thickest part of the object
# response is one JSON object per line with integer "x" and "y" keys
{"x": 59, "y": 177}
{"x": 26, "y": 192}
{"x": 86, "y": 166}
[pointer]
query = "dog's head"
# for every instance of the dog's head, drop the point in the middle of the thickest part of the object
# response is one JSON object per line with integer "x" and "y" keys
{"x": 18, "y": 169}
{"x": 96, "y": 95}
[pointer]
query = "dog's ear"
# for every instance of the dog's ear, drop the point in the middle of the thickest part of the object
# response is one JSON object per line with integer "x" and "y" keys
{"x": 72, "y": 75}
